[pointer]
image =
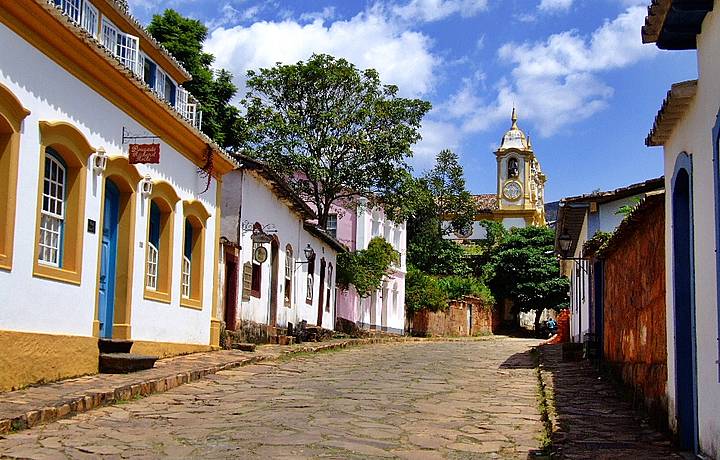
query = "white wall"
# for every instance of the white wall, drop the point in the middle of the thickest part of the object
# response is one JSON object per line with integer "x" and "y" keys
{"x": 385, "y": 309}
{"x": 693, "y": 135}
{"x": 260, "y": 204}
{"x": 52, "y": 94}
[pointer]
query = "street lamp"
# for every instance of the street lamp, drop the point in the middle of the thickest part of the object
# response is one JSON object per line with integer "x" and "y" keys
{"x": 309, "y": 254}
{"x": 565, "y": 240}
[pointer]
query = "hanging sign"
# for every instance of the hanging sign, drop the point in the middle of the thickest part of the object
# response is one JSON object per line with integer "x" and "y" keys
{"x": 144, "y": 153}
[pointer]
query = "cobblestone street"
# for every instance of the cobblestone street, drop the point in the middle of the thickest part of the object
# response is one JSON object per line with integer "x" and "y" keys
{"x": 463, "y": 399}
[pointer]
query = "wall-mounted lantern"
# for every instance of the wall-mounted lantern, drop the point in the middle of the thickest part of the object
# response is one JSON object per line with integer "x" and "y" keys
{"x": 309, "y": 254}
{"x": 100, "y": 161}
{"x": 146, "y": 186}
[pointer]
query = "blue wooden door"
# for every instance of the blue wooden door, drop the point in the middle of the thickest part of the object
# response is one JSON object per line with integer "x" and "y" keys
{"x": 108, "y": 257}
{"x": 684, "y": 311}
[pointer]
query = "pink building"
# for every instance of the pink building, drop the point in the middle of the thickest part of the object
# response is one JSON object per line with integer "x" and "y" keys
{"x": 385, "y": 309}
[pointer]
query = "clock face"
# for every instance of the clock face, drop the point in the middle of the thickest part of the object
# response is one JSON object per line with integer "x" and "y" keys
{"x": 512, "y": 190}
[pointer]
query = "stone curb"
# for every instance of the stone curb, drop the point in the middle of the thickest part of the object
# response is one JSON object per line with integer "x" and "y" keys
{"x": 98, "y": 398}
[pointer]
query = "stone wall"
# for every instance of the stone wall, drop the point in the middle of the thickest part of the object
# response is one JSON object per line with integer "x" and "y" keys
{"x": 634, "y": 336}
{"x": 455, "y": 320}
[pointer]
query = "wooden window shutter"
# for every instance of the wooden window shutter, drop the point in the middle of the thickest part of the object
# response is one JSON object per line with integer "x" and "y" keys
{"x": 247, "y": 281}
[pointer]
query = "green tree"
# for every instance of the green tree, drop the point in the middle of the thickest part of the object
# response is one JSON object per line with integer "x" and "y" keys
{"x": 523, "y": 269}
{"x": 422, "y": 291}
{"x": 333, "y": 131}
{"x": 183, "y": 37}
{"x": 439, "y": 196}
{"x": 366, "y": 268}
{"x": 454, "y": 203}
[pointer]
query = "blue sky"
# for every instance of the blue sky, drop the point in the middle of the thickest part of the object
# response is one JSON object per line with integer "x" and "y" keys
{"x": 585, "y": 87}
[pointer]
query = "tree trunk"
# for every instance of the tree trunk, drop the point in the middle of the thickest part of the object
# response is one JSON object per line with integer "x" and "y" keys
{"x": 538, "y": 314}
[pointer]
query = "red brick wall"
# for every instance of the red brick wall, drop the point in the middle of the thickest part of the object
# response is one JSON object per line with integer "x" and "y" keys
{"x": 634, "y": 338}
{"x": 454, "y": 320}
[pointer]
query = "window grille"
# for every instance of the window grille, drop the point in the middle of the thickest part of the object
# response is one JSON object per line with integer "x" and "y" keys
{"x": 52, "y": 216}
{"x": 152, "y": 267}
{"x": 90, "y": 19}
{"x": 186, "y": 269}
{"x": 289, "y": 265}
{"x": 125, "y": 47}
{"x": 332, "y": 225}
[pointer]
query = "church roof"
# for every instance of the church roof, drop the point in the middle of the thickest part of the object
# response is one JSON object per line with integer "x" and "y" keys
{"x": 515, "y": 138}
{"x": 486, "y": 202}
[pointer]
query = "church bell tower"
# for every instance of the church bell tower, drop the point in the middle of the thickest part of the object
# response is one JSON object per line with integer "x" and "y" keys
{"x": 520, "y": 181}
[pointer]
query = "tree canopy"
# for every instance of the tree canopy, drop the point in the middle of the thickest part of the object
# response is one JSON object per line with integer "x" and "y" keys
{"x": 183, "y": 37}
{"x": 335, "y": 132}
{"x": 439, "y": 196}
{"x": 523, "y": 269}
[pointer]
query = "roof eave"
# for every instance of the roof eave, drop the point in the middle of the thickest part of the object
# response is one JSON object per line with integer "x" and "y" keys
{"x": 675, "y": 24}
{"x": 673, "y": 108}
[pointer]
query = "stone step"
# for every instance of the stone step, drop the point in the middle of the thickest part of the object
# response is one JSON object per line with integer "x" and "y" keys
{"x": 243, "y": 346}
{"x": 123, "y": 363}
{"x": 114, "y": 346}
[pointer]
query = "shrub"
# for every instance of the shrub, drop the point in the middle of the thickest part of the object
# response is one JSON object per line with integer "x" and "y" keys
{"x": 423, "y": 292}
{"x": 456, "y": 287}
{"x": 366, "y": 268}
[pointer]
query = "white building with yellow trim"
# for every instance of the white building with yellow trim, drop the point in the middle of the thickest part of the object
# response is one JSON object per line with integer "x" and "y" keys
{"x": 92, "y": 246}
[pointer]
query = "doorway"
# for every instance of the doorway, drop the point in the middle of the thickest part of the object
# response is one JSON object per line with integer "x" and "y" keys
{"x": 231, "y": 289}
{"x": 322, "y": 293}
{"x": 108, "y": 260}
{"x": 274, "y": 275}
{"x": 684, "y": 306}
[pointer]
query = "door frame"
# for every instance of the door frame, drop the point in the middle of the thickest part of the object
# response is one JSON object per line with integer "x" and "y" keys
{"x": 321, "y": 297}
{"x": 126, "y": 178}
{"x": 106, "y": 312}
{"x": 684, "y": 308}
{"x": 232, "y": 283}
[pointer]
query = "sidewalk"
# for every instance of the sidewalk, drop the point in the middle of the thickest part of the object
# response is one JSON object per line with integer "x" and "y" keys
{"x": 45, "y": 403}
{"x": 591, "y": 421}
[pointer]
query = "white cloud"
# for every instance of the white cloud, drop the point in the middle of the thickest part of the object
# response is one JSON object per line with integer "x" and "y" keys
{"x": 369, "y": 40}
{"x": 555, "y": 5}
{"x": 435, "y": 10}
{"x": 557, "y": 82}
{"x": 436, "y": 136}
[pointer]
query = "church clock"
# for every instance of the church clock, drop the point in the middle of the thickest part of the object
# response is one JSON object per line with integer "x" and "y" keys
{"x": 512, "y": 190}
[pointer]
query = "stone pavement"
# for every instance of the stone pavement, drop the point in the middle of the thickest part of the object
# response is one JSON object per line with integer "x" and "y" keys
{"x": 591, "y": 420}
{"x": 418, "y": 400}
{"x": 46, "y": 403}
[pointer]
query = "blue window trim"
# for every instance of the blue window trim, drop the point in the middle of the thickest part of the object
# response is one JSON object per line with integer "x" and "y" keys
{"x": 155, "y": 218}
{"x": 153, "y": 74}
{"x": 716, "y": 175}
{"x": 49, "y": 151}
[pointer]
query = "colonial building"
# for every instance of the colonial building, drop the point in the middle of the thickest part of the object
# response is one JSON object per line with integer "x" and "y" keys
{"x": 383, "y": 310}
{"x": 96, "y": 241}
{"x": 579, "y": 219}
{"x": 688, "y": 128}
{"x": 278, "y": 267}
{"x": 520, "y": 197}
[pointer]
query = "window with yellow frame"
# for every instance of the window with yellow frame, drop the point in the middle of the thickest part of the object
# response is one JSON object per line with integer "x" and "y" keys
{"x": 12, "y": 115}
{"x": 64, "y": 152}
{"x": 159, "y": 249}
{"x": 193, "y": 254}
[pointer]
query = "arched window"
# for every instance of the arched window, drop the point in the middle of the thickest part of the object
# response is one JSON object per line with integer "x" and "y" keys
{"x": 512, "y": 168}
{"x": 191, "y": 287}
{"x": 159, "y": 254}
{"x": 52, "y": 211}
{"x": 310, "y": 288}
{"x": 329, "y": 283}
{"x": 12, "y": 115}
{"x": 61, "y": 202}
{"x": 289, "y": 268}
